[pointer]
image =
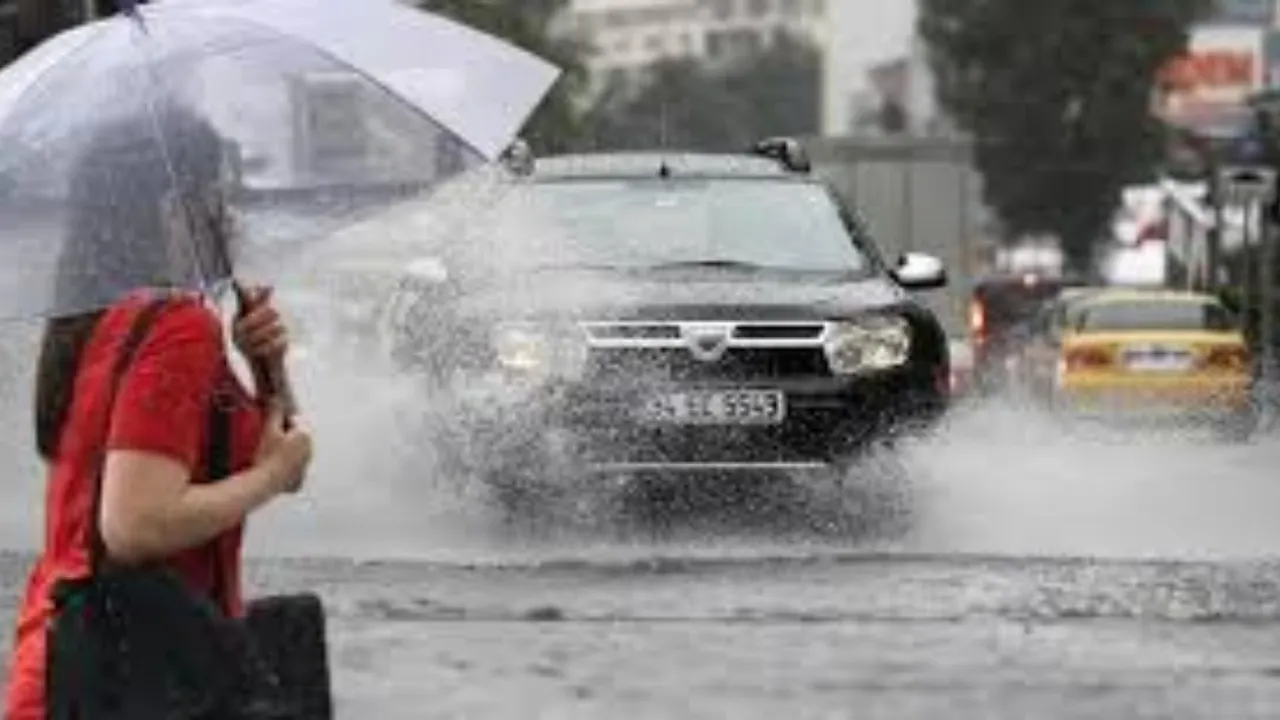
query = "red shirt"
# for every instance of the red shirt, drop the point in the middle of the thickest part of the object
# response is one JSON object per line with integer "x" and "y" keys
{"x": 162, "y": 406}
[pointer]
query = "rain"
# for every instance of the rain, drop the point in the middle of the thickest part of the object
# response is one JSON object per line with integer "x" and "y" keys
{"x": 1001, "y": 560}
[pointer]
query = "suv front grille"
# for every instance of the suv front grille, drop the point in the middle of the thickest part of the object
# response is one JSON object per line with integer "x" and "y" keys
{"x": 779, "y": 332}
{"x": 679, "y": 365}
{"x": 737, "y": 352}
{"x": 623, "y": 332}
{"x": 664, "y": 334}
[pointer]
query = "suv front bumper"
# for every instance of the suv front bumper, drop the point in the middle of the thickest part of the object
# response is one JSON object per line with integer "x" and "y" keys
{"x": 570, "y": 429}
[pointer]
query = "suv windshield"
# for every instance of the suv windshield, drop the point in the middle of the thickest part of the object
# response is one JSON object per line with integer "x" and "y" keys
{"x": 1154, "y": 315}
{"x": 662, "y": 223}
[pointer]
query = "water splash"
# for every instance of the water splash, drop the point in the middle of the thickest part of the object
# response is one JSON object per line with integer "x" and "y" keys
{"x": 999, "y": 477}
{"x": 1005, "y": 478}
{"x": 21, "y": 512}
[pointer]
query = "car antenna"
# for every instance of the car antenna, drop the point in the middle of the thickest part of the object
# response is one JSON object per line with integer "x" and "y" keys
{"x": 664, "y": 130}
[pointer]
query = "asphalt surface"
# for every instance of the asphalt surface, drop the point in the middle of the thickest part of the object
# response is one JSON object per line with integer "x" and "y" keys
{"x": 821, "y": 637}
{"x": 1039, "y": 575}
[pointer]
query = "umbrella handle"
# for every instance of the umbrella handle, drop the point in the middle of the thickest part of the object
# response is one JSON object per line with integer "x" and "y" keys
{"x": 272, "y": 376}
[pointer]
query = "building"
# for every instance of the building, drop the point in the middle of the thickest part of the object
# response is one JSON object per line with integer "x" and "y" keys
{"x": 871, "y": 59}
{"x": 625, "y": 36}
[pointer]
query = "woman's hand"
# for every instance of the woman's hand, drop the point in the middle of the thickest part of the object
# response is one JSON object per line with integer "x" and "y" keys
{"x": 284, "y": 453}
{"x": 150, "y": 509}
{"x": 259, "y": 333}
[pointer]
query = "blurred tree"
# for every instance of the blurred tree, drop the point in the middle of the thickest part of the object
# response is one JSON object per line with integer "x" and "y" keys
{"x": 687, "y": 104}
{"x": 39, "y": 20}
{"x": 676, "y": 104}
{"x": 1057, "y": 94}
{"x": 529, "y": 24}
{"x": 780, "y": 88}
{"x": 103, "y": 8}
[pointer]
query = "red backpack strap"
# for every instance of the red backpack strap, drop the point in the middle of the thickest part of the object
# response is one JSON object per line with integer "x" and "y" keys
{"x": 138, "y": 331}
{"x": 218, "y": 434}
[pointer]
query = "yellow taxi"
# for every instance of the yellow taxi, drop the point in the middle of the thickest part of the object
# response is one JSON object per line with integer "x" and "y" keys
{"x": 1168, "y": 353}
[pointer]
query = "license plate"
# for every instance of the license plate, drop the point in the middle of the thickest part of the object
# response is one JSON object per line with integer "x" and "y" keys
{"x": 1157, "y": 359}
{"x": 716, "y": 407}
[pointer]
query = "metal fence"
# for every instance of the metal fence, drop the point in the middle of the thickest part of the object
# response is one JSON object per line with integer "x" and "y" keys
{"x": 916, "y": 194}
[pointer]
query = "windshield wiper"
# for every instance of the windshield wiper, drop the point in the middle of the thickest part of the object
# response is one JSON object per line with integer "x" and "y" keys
{"x": 830, "y": 274}
{"x": 713, "y": 264}
{"x": 725, "y": 264}
{"x": 586, "y": 267}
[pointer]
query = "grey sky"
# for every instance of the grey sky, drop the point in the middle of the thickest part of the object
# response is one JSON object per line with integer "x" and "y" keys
{"x": 871, "y": 31}
{"x": 861, "y": 33}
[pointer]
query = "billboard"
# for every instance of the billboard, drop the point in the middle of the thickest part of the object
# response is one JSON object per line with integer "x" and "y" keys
{"x": 1207, "y": 87}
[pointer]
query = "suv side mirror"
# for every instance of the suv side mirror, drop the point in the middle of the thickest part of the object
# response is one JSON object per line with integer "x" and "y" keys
{"x": 919, "y": 271}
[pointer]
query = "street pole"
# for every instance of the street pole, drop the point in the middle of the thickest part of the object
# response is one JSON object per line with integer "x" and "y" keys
{"x": 1253, "y": 189}
{"x": 908, "y": 207}
{"x": 1266, "y": 286}
{"x": 1245, "y": 262}
{"x": 1265, "y": 130}
{"x": 1213, "y": 238}
{"x": 966, "y": 247}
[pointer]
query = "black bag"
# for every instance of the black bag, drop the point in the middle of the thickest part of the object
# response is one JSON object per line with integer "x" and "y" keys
{"x": 135, "y": 643}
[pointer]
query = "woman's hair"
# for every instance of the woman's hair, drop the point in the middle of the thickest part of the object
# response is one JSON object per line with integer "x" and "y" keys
{"x": 124, "y": 188}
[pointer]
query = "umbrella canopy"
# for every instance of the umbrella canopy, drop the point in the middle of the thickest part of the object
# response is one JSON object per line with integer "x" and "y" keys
{"x": 126, "y": 144}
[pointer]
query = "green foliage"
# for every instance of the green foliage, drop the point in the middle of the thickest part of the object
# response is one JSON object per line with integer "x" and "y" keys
{"x": 676, "y": 104}
{"x": 1057, "y": 95}
{"x": 688, "y": 105}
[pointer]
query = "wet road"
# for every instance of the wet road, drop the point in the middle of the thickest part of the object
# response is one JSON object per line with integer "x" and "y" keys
{"x": 1042, "y": 576}
{"x": 821, "y": 637}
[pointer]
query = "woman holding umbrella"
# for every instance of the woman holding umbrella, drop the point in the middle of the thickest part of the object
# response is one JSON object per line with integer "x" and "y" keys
{"x": 137, "y": 411}
{"x": 156, "y": 453}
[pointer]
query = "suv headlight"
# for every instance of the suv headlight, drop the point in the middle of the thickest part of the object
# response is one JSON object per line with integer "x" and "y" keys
{"x": 540, "y": 352}
{"x": 870, "y": 344}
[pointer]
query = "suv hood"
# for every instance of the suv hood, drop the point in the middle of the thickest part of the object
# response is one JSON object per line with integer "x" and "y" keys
{"x": 681, "y": 295}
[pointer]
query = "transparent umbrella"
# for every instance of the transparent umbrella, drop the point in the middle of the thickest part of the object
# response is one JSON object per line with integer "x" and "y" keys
{"x": 190, "y": 140}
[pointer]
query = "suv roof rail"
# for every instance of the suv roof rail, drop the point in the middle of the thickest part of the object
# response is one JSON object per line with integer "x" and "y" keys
{"x": 788, "y": 151}
{"x": 519, "y": 158}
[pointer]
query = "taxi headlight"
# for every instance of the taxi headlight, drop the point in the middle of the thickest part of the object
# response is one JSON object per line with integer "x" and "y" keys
{"x": 870, "y": 344}
{"x": 540, "y": 352}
